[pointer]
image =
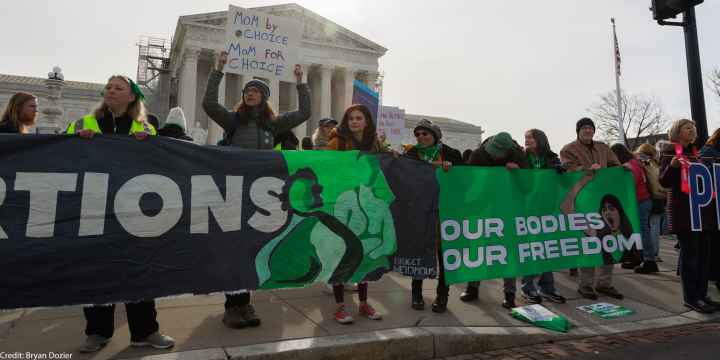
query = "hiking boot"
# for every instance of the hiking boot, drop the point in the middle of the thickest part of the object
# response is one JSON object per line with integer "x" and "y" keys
{"x": 418, "y": 303}
{"x": 610, "y": 291}
{"x": 554, "y": 297}
{"x": 532, "y": 298}
{"x": 648, "y": 267}
{"x": 343, "y": 316}
{"x": 470, "y": 294}
{"x": 233, "y": 318}
{"x": 369, "y": 312}
{"x": 155, "y": 340}
{"x": 587, "y": 292}
{"x": 93, "y": 343}
{"x": 509, "y": 301}
{"x": 248, "y": 313}
{"x": 440, "y": 304}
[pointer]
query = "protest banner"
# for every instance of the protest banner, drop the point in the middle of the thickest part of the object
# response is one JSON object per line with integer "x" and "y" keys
{"x": 496, "y": 223}
{"x": 364, "y": 95}
{"x": 392, "y": 124}
{"x": 260, "y": 44}
{"x": 116, "y": 219}
{"x": 606, "y": 310}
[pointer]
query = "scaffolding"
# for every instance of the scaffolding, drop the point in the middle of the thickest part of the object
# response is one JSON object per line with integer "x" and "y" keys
{"x": 153, "y": 61}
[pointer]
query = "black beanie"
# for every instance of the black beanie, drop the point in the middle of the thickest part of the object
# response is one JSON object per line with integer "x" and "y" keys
{"x": 584, "y": 122}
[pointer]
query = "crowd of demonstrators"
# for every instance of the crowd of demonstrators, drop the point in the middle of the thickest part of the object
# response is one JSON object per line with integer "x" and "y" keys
{"x": 497, "y": 150}
{"x": 429, "y": 148}
{"x": 588, "y": 154}
{"x": 20, "y": 114}
{"x": 121, "y": 112}
{"x": 540, "y": 156}
{"x": 253, "y": 124}
{"x": 634, "y": 257}
{"x": 355, "y": 132}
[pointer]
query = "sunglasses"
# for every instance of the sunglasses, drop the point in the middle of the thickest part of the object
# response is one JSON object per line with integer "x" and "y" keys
{"x": 421, "y": 133}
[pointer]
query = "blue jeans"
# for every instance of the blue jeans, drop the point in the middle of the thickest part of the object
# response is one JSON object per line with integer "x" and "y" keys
{"x": 546, "y": 282}
{"x": 656, "y": 228}
{"x": 649, "y": 246}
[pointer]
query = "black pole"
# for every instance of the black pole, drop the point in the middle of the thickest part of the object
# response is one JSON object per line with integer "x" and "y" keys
{"x": 695, "y": 81}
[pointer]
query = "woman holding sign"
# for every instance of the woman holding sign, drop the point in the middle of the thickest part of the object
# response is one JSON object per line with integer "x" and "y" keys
{"x": 121, "y": 112}
{"x": 252, "y": 124}
{"x": 430, "y": 149}
{"x": 694, "y": 245}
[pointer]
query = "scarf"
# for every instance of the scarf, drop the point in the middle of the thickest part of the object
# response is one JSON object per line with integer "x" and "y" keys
{"x": 428, "y": 153}
{"x": 684, "y": 166}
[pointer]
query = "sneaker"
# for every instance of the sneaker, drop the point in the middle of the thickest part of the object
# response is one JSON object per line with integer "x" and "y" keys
{"x": 610, "y": 291}
{"x": 509, "y": 301}
{"x": 94, "y": 343}
{"x": 554, "y": 297}
{"x": 587, "y": 292}
{"x": 234, "y": 319}
{"x": 343, "y": 316}
{"x": 470, "y": 294}
{"x": 532, "y": 298}
{"x": 248, "y": 314}
{"x": 156, "y": 340}
{"x": 369, "y": 312}
{"x": 648, "y": 267}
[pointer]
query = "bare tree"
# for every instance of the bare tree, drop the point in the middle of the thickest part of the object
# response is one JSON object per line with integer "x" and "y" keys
{"x": 714, "y": 81}
{"x": 642, "y": 116}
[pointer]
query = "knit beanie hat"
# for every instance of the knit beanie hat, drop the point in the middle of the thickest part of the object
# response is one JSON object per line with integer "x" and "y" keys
{"x": 499, "y": 145}
{"x": 176, "y": 117}
{"x": 260, "y": 85}
{"x": 429, "y": 126}
{"x": 584, "y": 122}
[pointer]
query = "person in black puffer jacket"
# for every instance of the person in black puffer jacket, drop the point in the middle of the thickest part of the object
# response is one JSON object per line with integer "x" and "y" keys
{"x": 175, "y": 125}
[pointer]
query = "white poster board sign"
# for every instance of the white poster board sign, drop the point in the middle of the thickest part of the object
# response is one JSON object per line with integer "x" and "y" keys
{"x": 262, "y": 45}
{"x": 392, "y": 124}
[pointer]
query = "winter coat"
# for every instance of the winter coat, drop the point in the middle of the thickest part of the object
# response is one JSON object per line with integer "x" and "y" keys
{"x": 175, "y": 132}
{"x": 577, "y": 156}
{"x": 480, "y": 157}
{"x": 249, "y": 130}
{"x": 342, "y": 143}
{"x": 7, "y": 127}
{"x": 446, "y": 154}
{"x": 677, "y": 207}
{"x": 552, "y": 161}
{"x": 642, "y": 189}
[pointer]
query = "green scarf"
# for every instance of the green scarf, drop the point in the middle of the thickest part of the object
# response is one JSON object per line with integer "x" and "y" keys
{"x": 428, "y": 153}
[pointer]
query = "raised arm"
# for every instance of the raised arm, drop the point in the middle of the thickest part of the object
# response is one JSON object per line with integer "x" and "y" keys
{"x": 289, "y": 120}
{"x": 210, "y": 104}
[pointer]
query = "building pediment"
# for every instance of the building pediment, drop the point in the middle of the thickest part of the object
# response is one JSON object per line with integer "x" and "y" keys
{"x": 317, "y": 29}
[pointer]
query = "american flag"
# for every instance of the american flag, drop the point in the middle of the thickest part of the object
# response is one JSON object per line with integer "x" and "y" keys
{"x": 617, "y": 50}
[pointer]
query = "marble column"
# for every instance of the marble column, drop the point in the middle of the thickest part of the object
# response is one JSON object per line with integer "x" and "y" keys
{"x": 348, "y": 88}
{"x": 325, "y": 91}
{"x": 188, "y": 82}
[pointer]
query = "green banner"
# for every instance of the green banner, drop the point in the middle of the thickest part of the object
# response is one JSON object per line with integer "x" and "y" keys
{"x": 498, "y": 223}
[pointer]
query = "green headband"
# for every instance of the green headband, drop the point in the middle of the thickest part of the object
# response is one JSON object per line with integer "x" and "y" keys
{"x": 136, "y": 89}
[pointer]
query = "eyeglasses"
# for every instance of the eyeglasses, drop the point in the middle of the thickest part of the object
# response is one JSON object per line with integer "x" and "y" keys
{"x": 421, "y": 133}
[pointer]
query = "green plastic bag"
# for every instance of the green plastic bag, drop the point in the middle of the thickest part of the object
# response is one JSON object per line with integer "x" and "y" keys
{"x": 540, "y": 316}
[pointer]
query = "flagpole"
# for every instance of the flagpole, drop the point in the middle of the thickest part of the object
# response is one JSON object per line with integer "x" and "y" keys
{"x": 621, "y": 125}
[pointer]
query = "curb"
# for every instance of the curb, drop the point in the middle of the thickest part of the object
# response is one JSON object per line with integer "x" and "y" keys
{"x": 420, "y": 342}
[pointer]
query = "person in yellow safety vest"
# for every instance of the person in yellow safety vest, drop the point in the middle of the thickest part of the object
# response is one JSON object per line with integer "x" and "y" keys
{"x": 122, "y": 112}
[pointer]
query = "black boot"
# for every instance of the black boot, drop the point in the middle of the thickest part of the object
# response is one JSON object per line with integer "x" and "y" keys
{"x": 470, "y": 294}
{"x": 440, "y": 304}
{"x": 648, "y": 267}
{"x": 509, "y": 301}
{"x": 417, "y": 299}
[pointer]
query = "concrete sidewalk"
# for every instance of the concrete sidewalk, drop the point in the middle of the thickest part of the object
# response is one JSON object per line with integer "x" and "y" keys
{"x": 299, "y": 323}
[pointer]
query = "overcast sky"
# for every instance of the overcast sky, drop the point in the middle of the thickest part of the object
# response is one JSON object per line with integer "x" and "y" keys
{"x": 503, "y": 65}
